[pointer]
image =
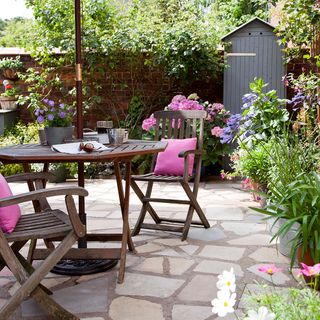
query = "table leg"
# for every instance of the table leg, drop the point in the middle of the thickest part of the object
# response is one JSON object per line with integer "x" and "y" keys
{"x": 82, "y": 242}
{"x": 124, "y": 204}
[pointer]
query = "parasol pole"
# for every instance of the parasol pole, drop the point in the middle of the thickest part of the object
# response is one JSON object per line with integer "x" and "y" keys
{"x": 77, "y": 14}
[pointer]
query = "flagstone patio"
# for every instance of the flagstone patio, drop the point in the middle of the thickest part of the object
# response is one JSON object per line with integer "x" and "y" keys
{"x": 166, "y": 279}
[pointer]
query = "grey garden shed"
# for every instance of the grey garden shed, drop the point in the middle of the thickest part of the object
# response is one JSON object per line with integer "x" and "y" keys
{"x": 254, "y": 52}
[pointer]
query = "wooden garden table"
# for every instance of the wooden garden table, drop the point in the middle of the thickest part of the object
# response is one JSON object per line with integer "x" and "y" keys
{"x": 36, "y": 153}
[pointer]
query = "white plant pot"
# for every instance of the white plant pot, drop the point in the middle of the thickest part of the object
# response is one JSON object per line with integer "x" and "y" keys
{"x": 8, "y": 103}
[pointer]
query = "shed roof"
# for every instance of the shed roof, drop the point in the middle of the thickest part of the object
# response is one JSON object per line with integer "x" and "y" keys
{"x": 245, "y": 24}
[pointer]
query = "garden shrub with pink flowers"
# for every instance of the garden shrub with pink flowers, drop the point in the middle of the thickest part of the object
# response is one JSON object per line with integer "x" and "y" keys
{"x": 216, "y": 120}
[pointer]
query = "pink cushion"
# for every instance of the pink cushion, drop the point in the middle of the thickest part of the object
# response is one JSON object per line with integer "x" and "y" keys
{"x": 9, "y": 216}
{"x": 168, "y": 162}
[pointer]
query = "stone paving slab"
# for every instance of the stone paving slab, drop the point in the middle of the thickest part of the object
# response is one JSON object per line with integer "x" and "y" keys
{"x": 166, "y": 279}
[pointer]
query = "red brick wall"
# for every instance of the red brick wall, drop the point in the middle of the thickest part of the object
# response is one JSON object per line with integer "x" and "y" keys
{"x": 121, "y": 84}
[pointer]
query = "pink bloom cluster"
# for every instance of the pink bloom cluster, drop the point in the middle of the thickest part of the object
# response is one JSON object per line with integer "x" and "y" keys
{"x": 180, "y": 102}
{"x": 310, "y": 271}
{"x": 216, "y": 131}
{"x": 148, "y": 123}
{"x": 217, "y": 106}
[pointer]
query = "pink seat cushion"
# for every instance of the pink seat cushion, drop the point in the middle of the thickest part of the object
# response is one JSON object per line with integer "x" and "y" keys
{"x": 168, "y": 162}
{"x": 9, "y": 216}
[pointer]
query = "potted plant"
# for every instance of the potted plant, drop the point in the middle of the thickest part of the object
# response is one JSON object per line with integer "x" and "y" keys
{"x": 10, "y": 67}
{"x": 8, "y": 99}
{"x": 57, "y": 118}
{"x": 293, "y": 196}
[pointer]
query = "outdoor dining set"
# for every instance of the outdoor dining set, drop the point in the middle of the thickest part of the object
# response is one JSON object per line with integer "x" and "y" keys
{"x": 177, "y": 151}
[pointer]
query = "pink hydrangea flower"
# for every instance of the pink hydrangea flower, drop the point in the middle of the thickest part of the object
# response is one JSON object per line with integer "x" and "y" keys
{"x": 269, "y": 269}
{"x": 310, "y": 271}
{"x": 148, "y": 123}
{"x": 178, "y": 98}
{"x": 182, "y": 103}
{"x": 217, "y": 106}
{"x": 216, "y": 131}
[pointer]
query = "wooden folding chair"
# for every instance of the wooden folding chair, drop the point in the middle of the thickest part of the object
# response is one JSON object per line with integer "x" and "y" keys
{"x": 174, "y": 125}
{"x": 47, "y": 224}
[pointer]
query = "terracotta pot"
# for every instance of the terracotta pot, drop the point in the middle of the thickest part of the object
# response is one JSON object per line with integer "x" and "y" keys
{"x": 307, "y": 259}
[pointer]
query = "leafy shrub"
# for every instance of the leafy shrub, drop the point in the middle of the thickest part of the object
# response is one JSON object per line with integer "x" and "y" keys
{"x": 19, "y": 134}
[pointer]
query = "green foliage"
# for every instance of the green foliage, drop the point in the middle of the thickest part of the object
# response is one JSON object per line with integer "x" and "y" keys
{"x": 19, "y": 134}
{"x": 297, "y": 304}
{"x": 294, "y": 185}
{"x": 231, "y": 14}
{"x": 16, "y": 32}
{"x": 298, "y": 26}
{"x": 174, "y": 34}
{"x": 11, "y": 63}
{"x": 133, "y": 119}
{"x": 264, "y": 115}
{"x": 41, "y": 84}
{"x": 253, "y": 163}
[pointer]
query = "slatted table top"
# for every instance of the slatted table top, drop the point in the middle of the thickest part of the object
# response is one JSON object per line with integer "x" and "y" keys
{"x": 36, "y": 153}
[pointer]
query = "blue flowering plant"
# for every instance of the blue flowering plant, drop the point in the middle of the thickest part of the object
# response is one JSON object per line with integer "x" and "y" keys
{"x": 263, "y": 114}
{"x": 54, "y": 114}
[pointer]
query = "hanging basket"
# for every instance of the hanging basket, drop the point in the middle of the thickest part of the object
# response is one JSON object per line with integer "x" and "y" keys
{"x": 10, "y": 74}
{"x": 8, "y": 103}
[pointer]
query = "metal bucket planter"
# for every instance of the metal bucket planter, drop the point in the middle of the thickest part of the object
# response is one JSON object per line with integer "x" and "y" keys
{"x": 8, "y": 103}
{"x": 58, "y": 135}
{"x": 285, "y": 241}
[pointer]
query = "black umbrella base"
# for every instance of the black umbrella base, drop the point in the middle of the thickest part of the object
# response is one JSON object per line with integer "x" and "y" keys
{"x": 83, "y": 267}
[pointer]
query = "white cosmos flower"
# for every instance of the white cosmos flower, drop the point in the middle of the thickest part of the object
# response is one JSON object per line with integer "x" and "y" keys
{"x": 262, "y": 314}
{"x": 224, "y": 303}
{"x": 227, "y": 280}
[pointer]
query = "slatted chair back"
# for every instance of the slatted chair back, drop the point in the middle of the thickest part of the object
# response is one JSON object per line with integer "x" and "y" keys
{"x": 180, "y": 124}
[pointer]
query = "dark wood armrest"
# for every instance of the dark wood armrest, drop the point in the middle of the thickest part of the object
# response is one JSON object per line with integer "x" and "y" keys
{"x": 31, "y": 176}
{"x": 184, "y": 154}
{"x": 68, "y": 192}
{"x": 46, "y": 193}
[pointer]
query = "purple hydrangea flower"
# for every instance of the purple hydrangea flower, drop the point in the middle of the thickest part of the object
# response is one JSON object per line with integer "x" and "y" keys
{"x": 61, "y": 105}
{"x": 50, "y": 116}
{"x": 296, "y": 100}
{"x": 36, "y": 112}
{"x": 40, "y": 119}
{"x": 62, "y": 114}
{"x": 249, "y": 98}
{"x": 46, "y": 100}
{"x": 51, "y": 103}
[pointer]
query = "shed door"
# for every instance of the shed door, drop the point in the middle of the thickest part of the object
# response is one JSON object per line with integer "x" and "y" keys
{"x": 252, "y": 56}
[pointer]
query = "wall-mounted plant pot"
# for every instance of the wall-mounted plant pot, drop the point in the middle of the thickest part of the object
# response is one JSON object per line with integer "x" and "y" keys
{"x": 10, "y": 74}
{"x": 8, "y": 103}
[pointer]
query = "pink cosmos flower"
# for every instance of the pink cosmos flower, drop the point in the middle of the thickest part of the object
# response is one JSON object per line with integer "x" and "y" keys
{"x": 310, "y": 271}
{"x": 216, "y": 131}
{"x": 269, "y": 269}
{"x": 148, "y": 123}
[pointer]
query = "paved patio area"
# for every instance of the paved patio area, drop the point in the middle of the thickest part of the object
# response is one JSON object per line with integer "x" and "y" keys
{"x": 167, "y": 279}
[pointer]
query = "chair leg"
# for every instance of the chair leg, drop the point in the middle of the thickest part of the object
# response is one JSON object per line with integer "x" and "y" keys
{"x": 187, "y": 223}
{"x": 195, "y": 204}
{"x": 31, "y": 283}
{"x": 146, "y": 206}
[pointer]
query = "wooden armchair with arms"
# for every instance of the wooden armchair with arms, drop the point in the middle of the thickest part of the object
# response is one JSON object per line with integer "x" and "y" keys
{"x": 174, "y": 125}
{"x": 46, "y": 224}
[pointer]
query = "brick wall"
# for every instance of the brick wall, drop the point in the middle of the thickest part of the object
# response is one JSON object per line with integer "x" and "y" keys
{"x": 121, "y": 84}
